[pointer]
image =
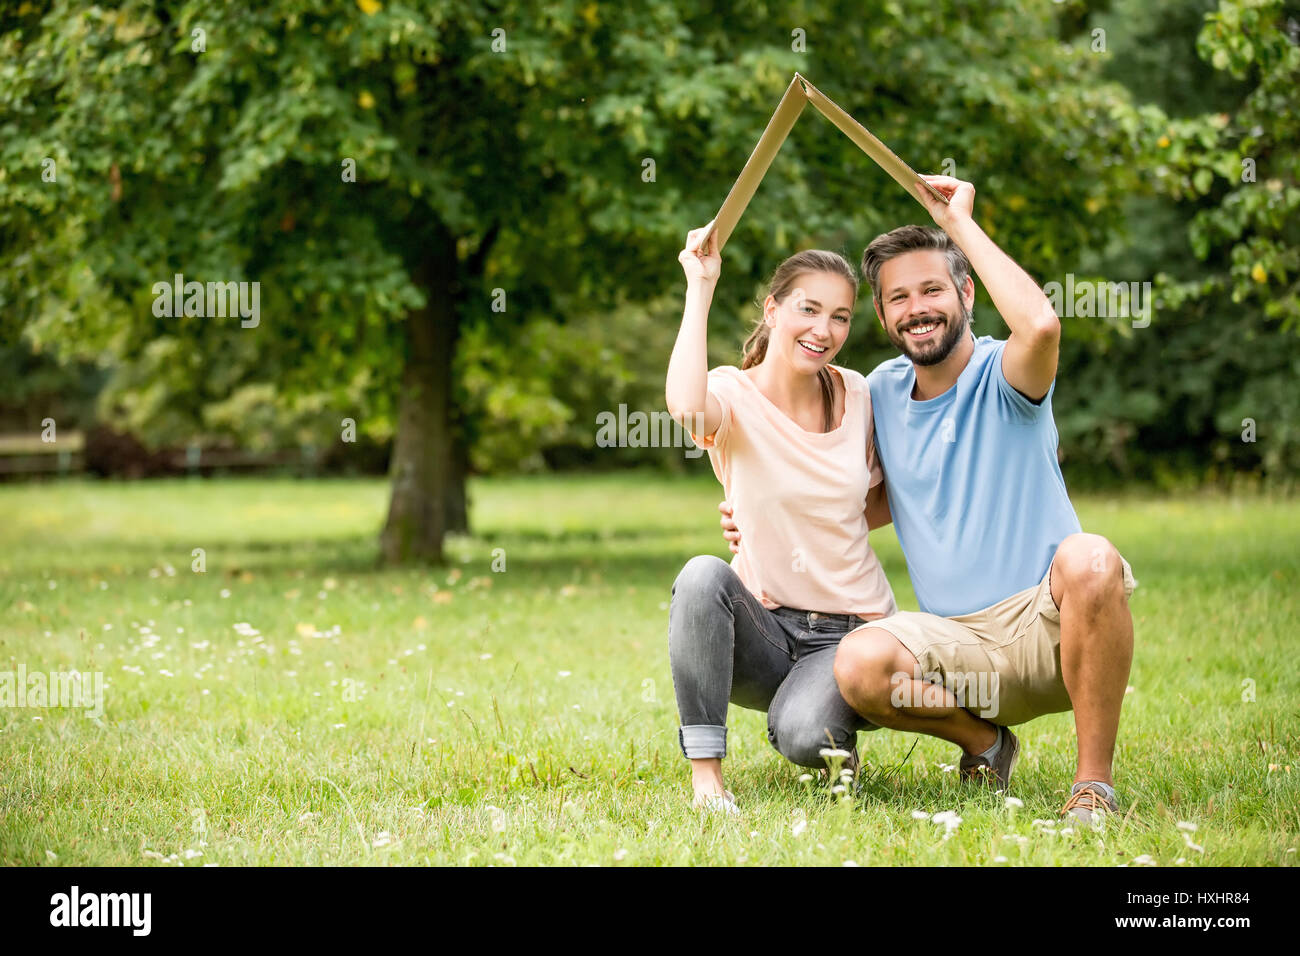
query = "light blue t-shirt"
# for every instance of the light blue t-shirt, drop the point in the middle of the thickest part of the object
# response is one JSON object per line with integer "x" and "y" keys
{"x": 976, "y": 493}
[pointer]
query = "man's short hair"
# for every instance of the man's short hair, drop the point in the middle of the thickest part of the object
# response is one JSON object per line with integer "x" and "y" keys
{"x": 910, "y": 239}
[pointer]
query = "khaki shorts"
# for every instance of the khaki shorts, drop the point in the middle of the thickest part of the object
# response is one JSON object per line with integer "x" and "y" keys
{"x": 1002, "y": 663}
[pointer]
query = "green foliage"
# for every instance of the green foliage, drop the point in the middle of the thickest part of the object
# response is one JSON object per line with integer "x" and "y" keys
{"x": 1207, "y": 390}
{"x": 523, "y": 170}
{"x": 38, "y": 386}
{"x": 1244, "y": 162}
{"x": 225, "y": 163}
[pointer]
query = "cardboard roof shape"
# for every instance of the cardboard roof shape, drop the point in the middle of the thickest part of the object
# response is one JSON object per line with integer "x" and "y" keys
{"x": 798, "y": 95}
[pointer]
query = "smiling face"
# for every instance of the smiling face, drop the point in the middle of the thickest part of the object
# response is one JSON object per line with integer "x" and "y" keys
{"x": 810, "y": 326}
{"x": 924, "y": 314}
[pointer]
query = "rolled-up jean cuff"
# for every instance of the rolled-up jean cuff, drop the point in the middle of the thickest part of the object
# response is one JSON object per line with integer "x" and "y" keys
{"x": 701, "y": 741}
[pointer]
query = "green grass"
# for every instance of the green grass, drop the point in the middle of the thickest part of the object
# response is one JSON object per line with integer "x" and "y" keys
{"x": 394, "y": 738}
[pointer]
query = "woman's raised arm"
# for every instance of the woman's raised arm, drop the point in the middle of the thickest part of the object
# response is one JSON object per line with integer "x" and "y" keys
{"x": 687, "y": 390}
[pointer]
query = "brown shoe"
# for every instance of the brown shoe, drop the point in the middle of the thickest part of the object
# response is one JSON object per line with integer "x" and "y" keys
{"x": 1088, "y": 805}
{"x": 998, "y": 773}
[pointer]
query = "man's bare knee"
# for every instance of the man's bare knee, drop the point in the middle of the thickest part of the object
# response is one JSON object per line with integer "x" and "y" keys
{"x": 1087, "y": 569}
{"x": 868, "y": 662}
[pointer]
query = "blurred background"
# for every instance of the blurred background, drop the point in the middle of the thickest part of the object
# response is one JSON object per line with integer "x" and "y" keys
{"x": 463, "y": 220}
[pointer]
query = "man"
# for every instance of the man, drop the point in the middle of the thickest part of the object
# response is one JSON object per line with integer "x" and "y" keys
{"x": 1021, "y": 613}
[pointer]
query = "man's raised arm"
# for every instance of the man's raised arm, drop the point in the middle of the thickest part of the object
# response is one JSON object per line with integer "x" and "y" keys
{"x": 1029, "y": 360}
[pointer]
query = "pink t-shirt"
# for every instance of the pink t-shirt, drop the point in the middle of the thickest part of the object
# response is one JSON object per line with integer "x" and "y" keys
{"x": 799, "y": 499}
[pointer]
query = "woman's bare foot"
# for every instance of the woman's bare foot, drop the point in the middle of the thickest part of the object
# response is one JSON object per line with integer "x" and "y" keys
{"x": 710, "y": 792}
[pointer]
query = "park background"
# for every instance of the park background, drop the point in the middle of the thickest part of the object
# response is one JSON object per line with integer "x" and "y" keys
{"x": 363, "y": 583}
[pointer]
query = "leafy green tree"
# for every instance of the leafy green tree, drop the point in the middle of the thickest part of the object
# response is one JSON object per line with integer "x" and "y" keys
{"x": 519, "y": 169}
{"x": 1207, "y": 390}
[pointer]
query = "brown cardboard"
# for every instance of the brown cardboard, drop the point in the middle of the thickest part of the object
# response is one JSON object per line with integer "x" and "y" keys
{"x": 797, "y": 95}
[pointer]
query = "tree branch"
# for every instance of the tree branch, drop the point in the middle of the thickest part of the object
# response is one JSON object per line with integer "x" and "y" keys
{"x": 474, "y": 264}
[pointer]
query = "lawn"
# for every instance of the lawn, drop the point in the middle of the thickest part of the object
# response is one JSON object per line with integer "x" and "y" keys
{"x": 293, "y": 704}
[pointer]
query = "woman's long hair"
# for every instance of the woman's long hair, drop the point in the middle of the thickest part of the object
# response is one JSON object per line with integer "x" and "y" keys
{"x": 783, "y": 282}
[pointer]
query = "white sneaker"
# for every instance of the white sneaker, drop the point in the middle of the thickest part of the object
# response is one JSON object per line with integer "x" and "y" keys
{"x": 713, "y": 803}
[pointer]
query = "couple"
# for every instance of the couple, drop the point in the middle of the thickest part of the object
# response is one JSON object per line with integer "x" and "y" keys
{"x": 954, "y": 441}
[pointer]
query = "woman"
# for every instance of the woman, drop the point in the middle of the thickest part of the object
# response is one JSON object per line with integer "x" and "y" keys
{"x": 790, "y": 438}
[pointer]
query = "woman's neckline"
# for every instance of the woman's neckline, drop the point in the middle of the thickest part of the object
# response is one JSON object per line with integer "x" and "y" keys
{"x": 771, "y": 404}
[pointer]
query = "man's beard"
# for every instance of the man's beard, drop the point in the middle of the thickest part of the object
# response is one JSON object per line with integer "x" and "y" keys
{"x": 935, "y": 351}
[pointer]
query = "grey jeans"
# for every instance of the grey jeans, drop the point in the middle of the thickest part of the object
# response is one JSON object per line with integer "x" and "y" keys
{"x": 724, "y": 645}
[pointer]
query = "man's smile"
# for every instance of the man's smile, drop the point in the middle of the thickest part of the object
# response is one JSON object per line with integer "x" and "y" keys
{"x": 923, "y": 330}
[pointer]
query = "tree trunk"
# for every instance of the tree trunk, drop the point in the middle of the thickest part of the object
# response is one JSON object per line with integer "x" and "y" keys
{"x": 457, "y": 515}
{"x": 457, "y": 519}
{"x": 428, "y": 486}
